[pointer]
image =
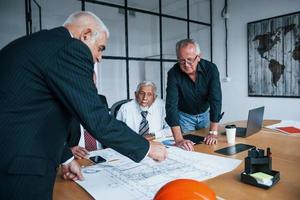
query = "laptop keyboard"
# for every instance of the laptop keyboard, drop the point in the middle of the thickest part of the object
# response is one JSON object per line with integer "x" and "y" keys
{"x": 240, "y": 131}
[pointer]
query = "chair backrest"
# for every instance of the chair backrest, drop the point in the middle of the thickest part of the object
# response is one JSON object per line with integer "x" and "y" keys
{"x": 103, "y": 99}
{"x": 116, "y": 106}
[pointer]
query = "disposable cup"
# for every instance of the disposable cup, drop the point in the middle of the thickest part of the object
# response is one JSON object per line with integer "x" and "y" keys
{"x": 230, "y": 134}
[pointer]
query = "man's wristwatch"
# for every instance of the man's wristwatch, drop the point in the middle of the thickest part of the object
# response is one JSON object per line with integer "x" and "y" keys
{"x": 213, "y": 132}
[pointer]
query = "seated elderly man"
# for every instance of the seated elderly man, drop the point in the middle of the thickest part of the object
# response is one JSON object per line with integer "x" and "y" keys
{"x": 146, "y": 114}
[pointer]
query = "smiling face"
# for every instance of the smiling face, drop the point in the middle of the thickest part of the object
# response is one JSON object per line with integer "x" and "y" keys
{"x": 145, "y": 96}
{"x": 188, "y": 59}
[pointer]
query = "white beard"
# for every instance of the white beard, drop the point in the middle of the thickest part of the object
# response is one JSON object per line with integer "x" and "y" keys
{"x": 144, "y": 108}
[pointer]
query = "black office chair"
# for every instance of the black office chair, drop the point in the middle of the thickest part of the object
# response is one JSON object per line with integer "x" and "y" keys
{"x": 103, "y": 99}
{"x": 116, "y": 106}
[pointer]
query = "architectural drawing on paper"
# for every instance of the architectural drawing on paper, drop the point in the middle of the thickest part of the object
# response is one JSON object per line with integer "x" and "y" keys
{"x": 142, "y": 180}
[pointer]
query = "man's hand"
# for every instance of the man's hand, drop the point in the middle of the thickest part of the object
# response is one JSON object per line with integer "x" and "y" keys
{"x": 185, "y": 144}
{"x": 157, "y": 151}
{"x": 72, "y": 171}
{"x": 79, "y": 152}
{"x": 149, "y": 136}
{"x": 179, "y": 141}
{"x": 211, "y": 139}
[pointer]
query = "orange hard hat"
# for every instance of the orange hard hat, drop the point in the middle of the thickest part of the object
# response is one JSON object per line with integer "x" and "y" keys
{"x": 185, "y": 189}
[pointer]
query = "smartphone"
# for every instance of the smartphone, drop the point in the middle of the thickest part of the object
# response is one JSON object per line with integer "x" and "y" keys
{"x": 194, "y": 138}
{"x": 97, "y": 159}
{"x": 234, "y": 149}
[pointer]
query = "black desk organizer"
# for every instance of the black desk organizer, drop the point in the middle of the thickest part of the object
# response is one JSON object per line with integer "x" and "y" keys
{"x": 258, "y": 162}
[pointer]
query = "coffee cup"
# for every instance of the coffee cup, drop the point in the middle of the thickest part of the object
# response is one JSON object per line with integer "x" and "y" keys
{"x": 230, "y": 133}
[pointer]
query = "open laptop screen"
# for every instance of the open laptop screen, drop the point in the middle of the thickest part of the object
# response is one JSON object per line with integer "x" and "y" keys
{"x": 255, "y": 120}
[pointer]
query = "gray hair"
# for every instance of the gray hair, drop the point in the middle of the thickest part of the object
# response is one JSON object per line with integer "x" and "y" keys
{"x": 183, "y": 43}
{"x": 146, "y": 83}
{"x": 85, "y": 18}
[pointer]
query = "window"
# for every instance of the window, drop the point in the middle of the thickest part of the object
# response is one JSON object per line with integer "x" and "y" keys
{"x": 143, "y": 35}
{"x": 115, "y": 22}
{"x": 145, "y": 45}
{"x": 12, "y": 23}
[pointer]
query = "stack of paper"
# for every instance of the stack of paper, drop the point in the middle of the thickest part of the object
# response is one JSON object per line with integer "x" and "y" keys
{"x": 263, "y": 178}
{"x": 289, "y": 129}
{"x": 287, "y": 126}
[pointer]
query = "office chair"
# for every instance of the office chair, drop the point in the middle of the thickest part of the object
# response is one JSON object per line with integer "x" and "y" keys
{"x": 116, "y": 106}
{"x": 103, "y": 99}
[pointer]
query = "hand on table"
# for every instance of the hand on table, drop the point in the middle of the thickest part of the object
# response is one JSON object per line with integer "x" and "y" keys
{"x": 79, "y": 152}
{"x": 72, "y": 171}
{"x": 211, "y": 139}
{"x": 157, "y": 151}
{"x": 149, "y": 136}
{"x": 185, "y": 144}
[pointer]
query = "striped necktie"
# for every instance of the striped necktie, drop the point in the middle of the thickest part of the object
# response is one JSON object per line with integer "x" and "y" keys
{"x": 90, "y": 142}
{"x": 144, "y": 125}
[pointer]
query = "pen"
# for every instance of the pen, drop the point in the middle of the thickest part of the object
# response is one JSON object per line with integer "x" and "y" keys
{"x": 113, "y": 160}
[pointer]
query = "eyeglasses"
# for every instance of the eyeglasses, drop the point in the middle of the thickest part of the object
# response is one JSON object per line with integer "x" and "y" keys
{"x": 187, "y": 60}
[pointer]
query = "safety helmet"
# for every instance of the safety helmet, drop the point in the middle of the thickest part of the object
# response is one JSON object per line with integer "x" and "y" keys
{"x": 185, "y": 189}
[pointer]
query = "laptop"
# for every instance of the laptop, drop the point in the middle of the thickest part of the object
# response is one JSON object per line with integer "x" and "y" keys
{"x": 254, "y": 123}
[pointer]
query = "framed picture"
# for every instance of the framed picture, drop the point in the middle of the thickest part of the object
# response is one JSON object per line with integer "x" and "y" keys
{"x": 274, "y": 56}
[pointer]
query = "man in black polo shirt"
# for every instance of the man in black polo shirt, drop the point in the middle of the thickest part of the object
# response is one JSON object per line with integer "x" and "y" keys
{"x": 194, "y": 96}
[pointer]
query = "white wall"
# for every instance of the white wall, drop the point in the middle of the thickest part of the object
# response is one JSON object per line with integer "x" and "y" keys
{"x": 236, "y": 102}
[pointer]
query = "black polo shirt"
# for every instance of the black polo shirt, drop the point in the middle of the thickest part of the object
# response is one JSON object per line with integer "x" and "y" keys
{"x": 191, "y": 97}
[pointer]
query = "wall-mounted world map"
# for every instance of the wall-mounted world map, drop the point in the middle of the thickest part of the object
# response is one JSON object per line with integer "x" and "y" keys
{"x": 274, "y": 56}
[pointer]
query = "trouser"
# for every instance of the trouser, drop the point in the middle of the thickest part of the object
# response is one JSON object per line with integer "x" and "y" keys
{"x": 189, "y": 122}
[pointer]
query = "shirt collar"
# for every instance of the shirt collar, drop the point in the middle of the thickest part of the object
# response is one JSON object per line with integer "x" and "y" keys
{"x": 199, "y": 67}
{"x": 71, "y": 34}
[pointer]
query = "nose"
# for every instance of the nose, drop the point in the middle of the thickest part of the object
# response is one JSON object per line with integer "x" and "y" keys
{"x": 99, "y": 58}
{"x": 186, "y": 63}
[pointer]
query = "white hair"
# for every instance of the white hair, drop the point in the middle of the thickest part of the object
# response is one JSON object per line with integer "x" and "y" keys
{"x": 85, "y": 18}
{"x": 146, "y": 83}
{"x": 183, "y": 43}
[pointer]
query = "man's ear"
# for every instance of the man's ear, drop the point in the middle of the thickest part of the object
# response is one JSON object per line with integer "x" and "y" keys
{"x": 136, "y": 95}
{"x": 86, "y": 34}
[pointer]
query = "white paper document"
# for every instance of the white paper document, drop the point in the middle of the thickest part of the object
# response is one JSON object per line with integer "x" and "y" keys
{"x": 121, "y": 178}
{"x": 285, "y": 123}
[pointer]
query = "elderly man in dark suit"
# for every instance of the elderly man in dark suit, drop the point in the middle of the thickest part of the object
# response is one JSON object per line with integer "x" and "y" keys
{"x": 45, "y": 81}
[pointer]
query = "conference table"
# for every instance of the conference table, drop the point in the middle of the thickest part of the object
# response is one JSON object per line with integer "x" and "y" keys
{"x": 285, "y": 159}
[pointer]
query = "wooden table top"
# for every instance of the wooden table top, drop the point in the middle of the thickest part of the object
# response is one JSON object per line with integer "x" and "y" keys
{"x": 285, "y": 158}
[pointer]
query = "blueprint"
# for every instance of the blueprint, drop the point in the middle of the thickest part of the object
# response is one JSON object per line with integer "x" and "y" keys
{"x": 120, "y": 177}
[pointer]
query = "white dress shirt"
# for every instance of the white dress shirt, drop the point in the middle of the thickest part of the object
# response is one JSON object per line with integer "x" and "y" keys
{"x": 130, "y": 113}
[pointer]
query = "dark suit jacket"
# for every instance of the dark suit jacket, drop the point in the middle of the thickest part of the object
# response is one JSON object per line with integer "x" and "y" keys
{"x": 45, "y": 81}
{"x": 74, "y": 131}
